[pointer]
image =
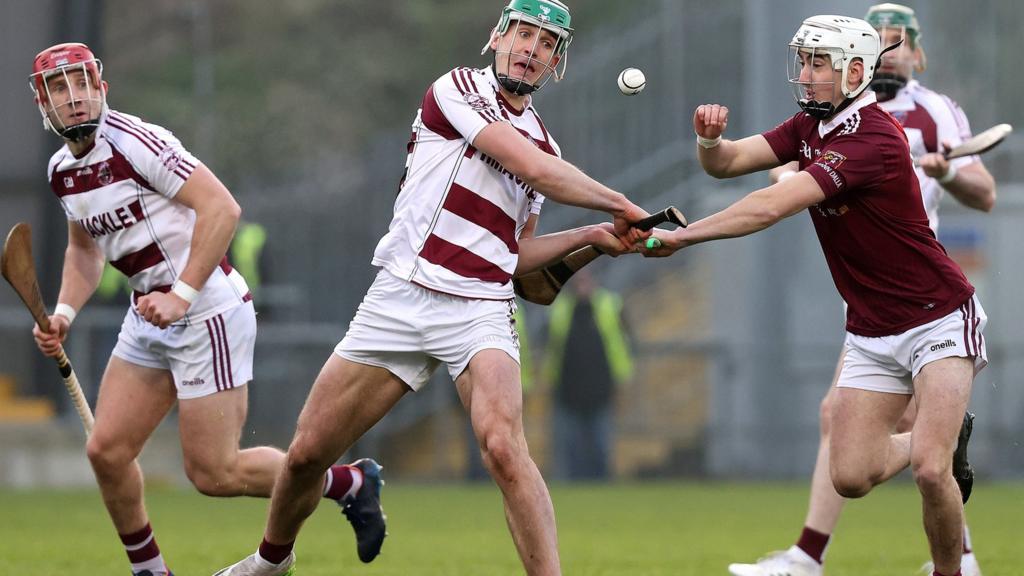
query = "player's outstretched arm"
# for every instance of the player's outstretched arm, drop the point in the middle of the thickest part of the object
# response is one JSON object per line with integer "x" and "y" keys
{"x": 558, "y": 179}
{"x": 723, "y": 158}
{"x": 756, "y": 211}
{"x": 536, "y": 252}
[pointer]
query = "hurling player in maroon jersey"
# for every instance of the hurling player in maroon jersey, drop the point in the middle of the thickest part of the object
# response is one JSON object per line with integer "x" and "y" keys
{"x": 932, "y": 122}
{"x": 914, "y": 326}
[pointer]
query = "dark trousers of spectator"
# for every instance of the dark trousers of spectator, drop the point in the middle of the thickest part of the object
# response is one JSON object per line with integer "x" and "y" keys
{"x": 582, "y": 443}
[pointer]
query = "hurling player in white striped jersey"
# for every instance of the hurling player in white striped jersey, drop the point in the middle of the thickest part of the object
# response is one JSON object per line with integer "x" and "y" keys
{"x": 479, "y": 165}
{"x": 930, "y": 121}
{"x": 135, "y": 197}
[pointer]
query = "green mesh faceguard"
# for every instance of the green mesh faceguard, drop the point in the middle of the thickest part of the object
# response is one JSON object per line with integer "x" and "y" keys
{"x": 550, "y": 15}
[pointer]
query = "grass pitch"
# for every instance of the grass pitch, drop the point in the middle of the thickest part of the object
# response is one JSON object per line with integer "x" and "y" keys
{"x": 454, "y": 530}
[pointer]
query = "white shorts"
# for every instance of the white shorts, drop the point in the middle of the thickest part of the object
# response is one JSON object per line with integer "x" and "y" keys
{"x": 203, "y": 358}
{"x": 409, "y": 330}
{"x": 890, "y": 363}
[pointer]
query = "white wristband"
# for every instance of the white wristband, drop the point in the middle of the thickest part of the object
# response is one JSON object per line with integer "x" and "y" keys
{"x": 949, "y": 175}
{"x": 65, "y": 310}
{"x": 709, "y": 143}
{"x": 186, "y": 292}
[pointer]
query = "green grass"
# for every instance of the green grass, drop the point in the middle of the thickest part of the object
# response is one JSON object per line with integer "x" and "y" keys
{"x": 453, "y": 530}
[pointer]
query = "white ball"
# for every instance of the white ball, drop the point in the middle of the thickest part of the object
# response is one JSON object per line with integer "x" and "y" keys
{"x": 632, "y": 81}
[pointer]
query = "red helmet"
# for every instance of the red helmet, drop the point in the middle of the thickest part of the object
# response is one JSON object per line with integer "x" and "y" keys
{"x": 54, "y": 58}
{"x": 61, "y": 59}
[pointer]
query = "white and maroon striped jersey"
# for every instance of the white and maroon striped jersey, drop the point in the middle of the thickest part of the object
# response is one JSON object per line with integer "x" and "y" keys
{"x": 928, "y": 118}
{"x": 459, "y": 214}
{"x": 121, "y": 192}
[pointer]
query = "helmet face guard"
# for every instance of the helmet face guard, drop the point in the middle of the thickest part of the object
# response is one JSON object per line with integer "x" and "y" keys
{"x": 514, "y": 68}
{"x": 67, "y": 81}
{"x": 814, "y": 97}
{"x": 895, "y": 24}
{"x": 837, "y": 41}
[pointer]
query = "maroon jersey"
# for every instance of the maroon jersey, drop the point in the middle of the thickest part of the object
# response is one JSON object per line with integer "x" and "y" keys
{"x": 884, "y": 259}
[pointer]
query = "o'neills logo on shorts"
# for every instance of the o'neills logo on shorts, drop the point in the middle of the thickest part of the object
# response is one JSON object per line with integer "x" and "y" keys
{"x": 193, "y": 382}
{"x": 943, "y": 345}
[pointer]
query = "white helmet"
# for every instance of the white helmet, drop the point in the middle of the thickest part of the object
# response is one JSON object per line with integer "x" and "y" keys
{"x": 844, "y": 40}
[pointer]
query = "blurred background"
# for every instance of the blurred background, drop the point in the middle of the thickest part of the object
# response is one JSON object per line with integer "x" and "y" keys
{"x": 303, "y": 109}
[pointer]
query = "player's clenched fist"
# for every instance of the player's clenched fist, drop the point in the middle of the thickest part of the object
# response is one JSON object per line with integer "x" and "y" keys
{"x": 49, "y": 342}
{"x": 709, "y": 120}
{"x": 160, "y": 309}
{"x": 665, "y": 243}
{"x": 603, "y": 236}
{"x": 623, "y": 226}
{"x": 935, "y": 164}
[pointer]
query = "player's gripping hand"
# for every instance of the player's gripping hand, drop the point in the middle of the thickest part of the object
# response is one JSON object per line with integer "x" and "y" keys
{"x": 664, "y": 243}
{"x": 710, "y": 120}
{"x": 935, "y": 164}
{"x": 49, "y": 342}
{"x": 622, "y": 225}
{"x": 603, "y": 236}
{"x": 160, "y": 309}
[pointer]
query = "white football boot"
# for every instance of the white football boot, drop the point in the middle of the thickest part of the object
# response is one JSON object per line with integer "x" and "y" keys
{"x": 253, "y": 565}
{"x": 792, "y": 562}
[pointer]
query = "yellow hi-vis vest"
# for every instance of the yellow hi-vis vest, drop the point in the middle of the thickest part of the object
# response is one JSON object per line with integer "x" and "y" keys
{"x": 607, "y": 308}
{"x": 246, "y": 248}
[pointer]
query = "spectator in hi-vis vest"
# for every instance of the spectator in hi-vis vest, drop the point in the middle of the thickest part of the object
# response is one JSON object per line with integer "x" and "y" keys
{"x": 588, "y": 357}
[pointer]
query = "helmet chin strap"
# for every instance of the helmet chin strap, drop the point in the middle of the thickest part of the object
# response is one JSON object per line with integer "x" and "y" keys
{"x": 517, "y": 87}
{"x": 823, "y": 110}
{"x": 887, "y": 85}
{"x": 81, "y": 131}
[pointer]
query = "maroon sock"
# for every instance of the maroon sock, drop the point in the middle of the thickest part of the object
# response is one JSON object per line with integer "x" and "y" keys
{"x": 339, "y": 481}
{"x": 813, "y": 543}
{"x": 275, "y": 553}
{"x": 140, "y": 546}
{"x": 936, "y": 573}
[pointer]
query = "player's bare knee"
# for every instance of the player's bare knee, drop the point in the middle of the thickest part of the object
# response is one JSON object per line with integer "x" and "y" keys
{"x": 305, "y": 458}
{"x": 502, "y": 454}
{"x": 931, "y": 474}
{"x": 852, "y": 485}
{"x": 212, "y": 476}
{"x": 212, "y": 480}
{"x": 108, "y": 456}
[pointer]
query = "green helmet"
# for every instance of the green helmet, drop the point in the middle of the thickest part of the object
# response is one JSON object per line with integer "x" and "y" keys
{"x": 890, "y": 15}
{"x": 550, "y": 15}
{"x": 890, "y": 80}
